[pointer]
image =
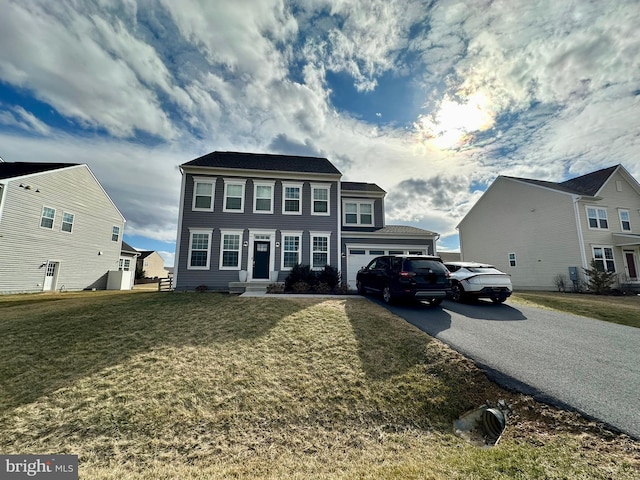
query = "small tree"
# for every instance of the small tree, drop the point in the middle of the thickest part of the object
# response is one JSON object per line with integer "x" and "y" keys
{"x": 600, "y": 280}
{"x": 560, "y": 282}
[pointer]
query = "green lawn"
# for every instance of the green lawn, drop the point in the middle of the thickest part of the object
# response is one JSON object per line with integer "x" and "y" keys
{"x": 204, "y": 386}
{"x": 624, "y": 310}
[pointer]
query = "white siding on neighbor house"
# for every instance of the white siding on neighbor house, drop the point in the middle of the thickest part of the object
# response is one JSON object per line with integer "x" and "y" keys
{"x": 537, "y": 224}
{"x": 612, "y": 201}
{"x": 85, "y": 255}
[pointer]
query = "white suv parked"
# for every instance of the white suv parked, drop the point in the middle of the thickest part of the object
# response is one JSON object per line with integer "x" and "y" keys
{"x": 471, "y": 280}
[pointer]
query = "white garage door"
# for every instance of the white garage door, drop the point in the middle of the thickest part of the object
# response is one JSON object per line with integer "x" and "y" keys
{"x": 358, "y": 257}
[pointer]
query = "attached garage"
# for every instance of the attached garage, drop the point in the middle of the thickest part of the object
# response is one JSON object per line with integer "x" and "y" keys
{"x": 359, "y": 248}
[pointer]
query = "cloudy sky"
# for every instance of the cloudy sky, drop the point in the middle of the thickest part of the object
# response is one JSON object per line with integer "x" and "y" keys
{"x": 430, "y": 99}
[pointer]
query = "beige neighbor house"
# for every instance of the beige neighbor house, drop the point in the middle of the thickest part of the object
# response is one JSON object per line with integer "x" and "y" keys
{"x": 152, "y": 264}
{"x": 59, "y": 230}
{"x": 537, "y": 230}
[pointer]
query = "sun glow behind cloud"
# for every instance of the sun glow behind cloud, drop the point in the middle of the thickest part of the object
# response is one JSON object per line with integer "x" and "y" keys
{"x": 454, "y": 123}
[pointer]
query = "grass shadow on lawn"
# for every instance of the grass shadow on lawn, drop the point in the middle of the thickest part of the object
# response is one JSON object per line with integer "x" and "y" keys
{"x": 53, "y": 341}
{"x": 433, "y": 384}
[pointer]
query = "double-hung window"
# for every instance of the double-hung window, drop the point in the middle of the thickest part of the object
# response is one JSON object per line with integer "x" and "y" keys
{"x": 199, "y": 247}
{"x": 234, "y": 195}
{"x": 603, "y": 257}
{"x": 597, "y": 218}
{"x": 625, "y": 220}
{"x": 67, "y": 222}
{"x": 358, "y": 213}
{"x": 263, "y": 197}
{"x": 115, "y": 233}
{"x": 203, "y": 194}
{"x": 319, "y": 249}
{"x": 291, "y": 249}
{"x": 48, "y": 214}
{"x": 320, "y": 199}
{"x": 230, "y": 249}
{"x": 512, "y": 259}
{"x": 291, "y": 198}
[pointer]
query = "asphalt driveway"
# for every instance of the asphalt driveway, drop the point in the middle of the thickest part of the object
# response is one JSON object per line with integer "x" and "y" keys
{"x": 569, "y": 361}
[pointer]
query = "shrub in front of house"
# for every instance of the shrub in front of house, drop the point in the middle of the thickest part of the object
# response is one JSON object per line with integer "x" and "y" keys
{"x": 302, "y": 279}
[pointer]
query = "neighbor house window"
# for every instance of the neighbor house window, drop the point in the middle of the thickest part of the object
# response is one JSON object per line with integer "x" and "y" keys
{"x": 603, "y": 257}
{"x": 124, "y": 264}
{"x": 291, "y": 198}
{"x": 199, "y": 243}
{"x": 597, "y": 218}
{"x": 358, "y": 213}
{"x": 231, "y": 242}
{"x": 291, "y": 248}
{"x": 234, "y": 196}
{"x": 203, "y": 195}
{"x": 320, "y": 199}
{"x": 512, "y": 259}
{"x": 67, "y": 222}
{"x": 115, "y": 234}
{"x": 625, "y": 220}
{"x": 48, "y": 214}
{"x": 263, "y": 197}
{"x": 319, "y": 250}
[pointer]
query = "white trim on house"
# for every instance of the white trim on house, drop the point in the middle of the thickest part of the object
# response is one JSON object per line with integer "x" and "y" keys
{"x": 63, "y": 223}
{"x": 200, "y": 231}
{"x": 234, "y": 181}
{"x": 321, "y": 186}
{"x": 326, "y": 235}
{"x": 250, "y": 173}
{"x": 261, "y": 235}
{"x": 263, "y": 183}
{"x": 231, "y": 232}
{"x": 358, "y": 213}
{"x": 203, "y": 181}
{"x": 176, "y": 259}
{"x": 288, "y": 233}
{"x": 299, "y": 186}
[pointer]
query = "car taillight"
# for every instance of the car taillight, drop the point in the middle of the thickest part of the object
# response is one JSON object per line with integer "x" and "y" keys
{"x": 407, "y": 274}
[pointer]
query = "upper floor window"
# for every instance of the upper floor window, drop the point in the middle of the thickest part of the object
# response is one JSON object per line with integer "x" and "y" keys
{"x": 203, "y": 195}
{"x": 512, "y": 259}
{"x": 320, "y": 199}
{"x": 67, "y": 222}
{"x": 358, "y": 213}
{"x": 263, "y": 197}
{"x": 625, "y": 220}
{"x": 115, "y": 234}
{"x": 597, "y": 218}
{"x": 234, "y": 195}
{"x": 603, "y": 257}
{"x": 48, "y": 214}
{"x": 199, "y": 244}
{"x": 291, "y": 198}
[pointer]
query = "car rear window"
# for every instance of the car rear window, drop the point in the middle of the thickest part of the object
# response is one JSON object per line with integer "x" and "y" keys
{"x": 483, "y": 270}
{"x": 422, "y": 265}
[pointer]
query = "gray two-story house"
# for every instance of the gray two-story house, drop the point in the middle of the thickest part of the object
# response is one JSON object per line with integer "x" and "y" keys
{"x": 249, "y": 218}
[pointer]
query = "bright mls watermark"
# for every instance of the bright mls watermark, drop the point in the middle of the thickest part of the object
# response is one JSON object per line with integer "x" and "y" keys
{"x": 50, "y": 467}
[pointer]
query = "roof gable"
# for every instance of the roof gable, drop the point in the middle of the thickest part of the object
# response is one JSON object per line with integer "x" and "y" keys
{"x": 20, "y": 169}
{"x": 591, "y": 183}
{"x": 264, "y": 161}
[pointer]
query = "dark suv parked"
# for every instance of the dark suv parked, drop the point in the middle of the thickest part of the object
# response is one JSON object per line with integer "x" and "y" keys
{"x": 405, "y": 276}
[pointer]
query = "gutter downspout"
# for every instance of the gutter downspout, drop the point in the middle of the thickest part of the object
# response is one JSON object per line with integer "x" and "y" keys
{"x": 583, "y": 256}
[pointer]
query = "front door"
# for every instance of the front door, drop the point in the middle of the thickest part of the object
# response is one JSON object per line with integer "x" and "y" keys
{"x": 631, "y": 265}
{"x": 50, "y": 276}
{"x": 261, "y": 255}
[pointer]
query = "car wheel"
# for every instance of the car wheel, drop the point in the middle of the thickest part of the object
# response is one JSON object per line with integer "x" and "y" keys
{"x": 457, "y": 292}
{"x": 435, "y": 301}
{"x": 498, "y": 299}
{"x": 360, "y": 287}
{"x": 387, "y": 295}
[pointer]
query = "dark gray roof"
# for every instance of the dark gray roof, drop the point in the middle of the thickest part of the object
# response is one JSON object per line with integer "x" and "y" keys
{"x": 588, "y": 184}
{"x": 126, "y": 248}
{"x": 18, "y": 169}
{"x": 264, "y": 161}
{"x": 146, "y": 253}
{"x": 361, "y": 187}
